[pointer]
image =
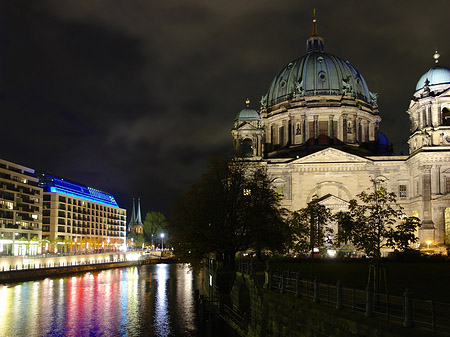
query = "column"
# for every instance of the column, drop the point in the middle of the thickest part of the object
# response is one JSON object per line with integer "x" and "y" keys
{"x": 344, "y": 128}
{"x": 426, "y": 197}
{"x": 330, "y": 126}
{"x": 316, "y": 126}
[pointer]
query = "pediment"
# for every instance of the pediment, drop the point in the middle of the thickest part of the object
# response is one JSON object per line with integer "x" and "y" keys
{"x": 247, "y": 126}
{"x": 333, "y": 202}
{"x": 331, "y": 155}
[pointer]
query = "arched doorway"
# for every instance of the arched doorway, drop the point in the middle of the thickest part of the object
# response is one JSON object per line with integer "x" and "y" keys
{"x": 247, "y": 148}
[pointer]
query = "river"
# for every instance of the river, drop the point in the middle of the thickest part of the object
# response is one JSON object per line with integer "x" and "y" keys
{"x": 151, "y": 300}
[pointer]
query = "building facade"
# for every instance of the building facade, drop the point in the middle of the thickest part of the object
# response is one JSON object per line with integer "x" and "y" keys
{"x": 20, "y": 210}
{"x": 78, "y": 218}
{"x": 317, "y": 133}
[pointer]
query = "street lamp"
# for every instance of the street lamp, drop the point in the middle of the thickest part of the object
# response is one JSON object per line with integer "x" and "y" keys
{"x": 152, "y": 241}
{"x": 162, "y": 242}
{"x": 428, "y": 244}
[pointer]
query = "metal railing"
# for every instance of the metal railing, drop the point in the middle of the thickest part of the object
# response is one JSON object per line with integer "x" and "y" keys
{"x": 430, "y": 315}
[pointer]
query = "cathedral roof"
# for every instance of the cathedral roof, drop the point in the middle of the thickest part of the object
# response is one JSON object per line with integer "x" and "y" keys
{"x": 317, "y": 73}
{"x": 436, "y": 75}
{"x": 247, "y": 114}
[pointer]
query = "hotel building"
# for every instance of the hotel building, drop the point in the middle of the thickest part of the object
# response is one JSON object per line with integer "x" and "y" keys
{"x": 20, "y": 210}
{"x": 78, "y": 218}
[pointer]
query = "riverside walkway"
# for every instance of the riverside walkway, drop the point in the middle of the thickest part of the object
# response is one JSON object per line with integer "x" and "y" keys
{"x": 19, "y": 268}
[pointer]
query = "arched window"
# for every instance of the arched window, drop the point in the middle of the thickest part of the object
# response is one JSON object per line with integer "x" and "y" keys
{"x": 446, "y": 117}
{"x": 247, "y": 148}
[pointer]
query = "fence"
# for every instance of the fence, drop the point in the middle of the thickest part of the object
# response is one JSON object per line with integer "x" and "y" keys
{"x": 430, "y": 315}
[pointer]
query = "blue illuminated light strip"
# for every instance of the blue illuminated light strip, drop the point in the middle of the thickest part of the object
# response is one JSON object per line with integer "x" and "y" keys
{"x": 85, "y": 191}
{"x": 111, "y": 202}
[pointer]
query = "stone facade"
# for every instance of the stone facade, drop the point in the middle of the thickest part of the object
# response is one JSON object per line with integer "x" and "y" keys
{"x": 319, "y": 130}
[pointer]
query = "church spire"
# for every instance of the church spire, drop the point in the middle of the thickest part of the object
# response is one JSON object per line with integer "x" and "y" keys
{"x": 133, "y": 218}
{"x": 315, "y": 42}
{"x": 138, "y": 213}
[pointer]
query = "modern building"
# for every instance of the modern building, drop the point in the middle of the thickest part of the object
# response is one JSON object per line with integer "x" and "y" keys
{"x": 20, "y": 210}
{"x": 317, "y": 131}
{"x": 78, "y": 218}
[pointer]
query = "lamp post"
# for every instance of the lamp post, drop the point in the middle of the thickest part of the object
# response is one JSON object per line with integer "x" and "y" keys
{"x": 152, "y": 241}
{"x": 162, "y": 242}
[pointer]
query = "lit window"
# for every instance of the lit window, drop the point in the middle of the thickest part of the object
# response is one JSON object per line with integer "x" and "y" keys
{"x": 279, "y": 191}
{"x": 402, "y": 191}
{"x": 447, "y": 184}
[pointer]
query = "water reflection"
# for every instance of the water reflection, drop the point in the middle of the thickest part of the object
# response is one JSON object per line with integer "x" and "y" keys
{"x": 154, "y": 300}
{"x": 162, "y": 324}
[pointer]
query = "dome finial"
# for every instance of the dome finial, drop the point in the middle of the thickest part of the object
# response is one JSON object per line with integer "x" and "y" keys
{"x": 315, "y": 42}
{"x": 436, "y": 56}
{"x": 247, "y": 102}
{"x": 315, "y": 33}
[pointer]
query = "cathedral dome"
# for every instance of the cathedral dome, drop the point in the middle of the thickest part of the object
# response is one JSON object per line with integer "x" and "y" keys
{"x": 318, "y": 73}
{"x": 434, "y": 76}
{"x": 247, "y": 114}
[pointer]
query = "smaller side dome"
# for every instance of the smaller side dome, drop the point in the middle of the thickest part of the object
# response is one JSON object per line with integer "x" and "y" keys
{"x": 385, "y": 147}
{"x": 247, "y": 114}
{"x": 382, "y": 139}
{"x": 434, "y": 76}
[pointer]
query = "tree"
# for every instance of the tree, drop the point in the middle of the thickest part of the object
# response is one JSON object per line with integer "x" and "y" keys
{"x": 309, "y": 227}
{"x": 377, "y": 222}
{"x": 154, "y": 223}
{"x": 234, "y": 208}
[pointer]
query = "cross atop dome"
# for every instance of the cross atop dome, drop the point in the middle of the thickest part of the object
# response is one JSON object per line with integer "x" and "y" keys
{"x": 315, "y": 42}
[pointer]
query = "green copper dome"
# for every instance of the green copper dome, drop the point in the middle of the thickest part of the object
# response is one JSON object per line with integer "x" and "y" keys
{"x": 434, "y": 76}
{"x": 247, "y": 115}
{"x": 318, "y": 73}
{"x": 315, "y": 74}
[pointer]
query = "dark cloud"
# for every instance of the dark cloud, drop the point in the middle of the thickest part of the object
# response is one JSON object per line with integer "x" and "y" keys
{"x": 133, "y": 97}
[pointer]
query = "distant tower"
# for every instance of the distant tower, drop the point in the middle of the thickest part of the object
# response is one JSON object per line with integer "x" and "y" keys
{"x": 135, "y": 223}
{"x": 138, "y": 214}
{"x": 133, "y": 219}
{"x": 429, "y": 111}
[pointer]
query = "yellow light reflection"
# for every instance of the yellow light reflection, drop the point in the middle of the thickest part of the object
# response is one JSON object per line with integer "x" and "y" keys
{"x": 162, "y": 327}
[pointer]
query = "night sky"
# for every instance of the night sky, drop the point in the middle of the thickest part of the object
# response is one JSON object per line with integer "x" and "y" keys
{"x": 133, "y": 97}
